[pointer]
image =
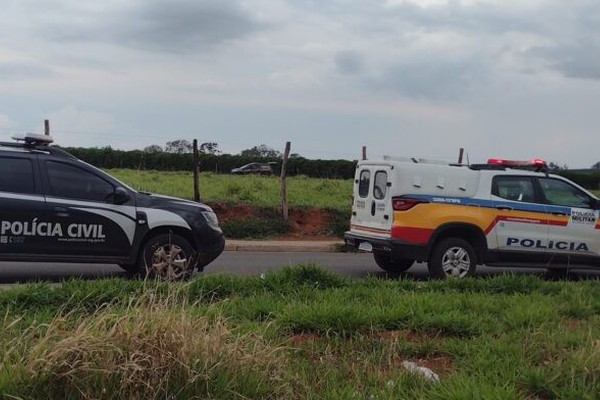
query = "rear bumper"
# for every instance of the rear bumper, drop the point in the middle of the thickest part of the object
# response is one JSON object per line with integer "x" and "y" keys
{"x": 397, "y": 248}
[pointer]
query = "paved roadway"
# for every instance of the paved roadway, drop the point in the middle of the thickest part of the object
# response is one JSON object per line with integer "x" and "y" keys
{"x": 241, "y": 263}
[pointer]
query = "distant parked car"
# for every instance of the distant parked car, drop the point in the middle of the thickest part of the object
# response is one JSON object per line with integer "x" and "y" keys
{"x": 254, "y": 168}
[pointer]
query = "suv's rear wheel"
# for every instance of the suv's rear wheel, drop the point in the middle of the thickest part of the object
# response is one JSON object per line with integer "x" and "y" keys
{"x": 168, "y": 256}
{"x": 452, "y": 257}
{"x": 389, "y": 264}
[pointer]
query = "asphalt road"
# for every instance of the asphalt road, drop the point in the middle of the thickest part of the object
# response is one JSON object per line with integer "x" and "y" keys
{"x": 243, "y": 263}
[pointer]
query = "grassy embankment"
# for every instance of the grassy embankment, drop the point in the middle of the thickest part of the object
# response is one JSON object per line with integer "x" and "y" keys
{"x": 302, "y": 333}
{"x": 261, "y": 192}
{"x": 257, "y": 190}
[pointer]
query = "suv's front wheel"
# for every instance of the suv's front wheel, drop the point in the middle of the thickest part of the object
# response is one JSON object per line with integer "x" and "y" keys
{"x": 168, "y": 256}
{"x": 452, "y": 257}
{"x": 387, "y": 263}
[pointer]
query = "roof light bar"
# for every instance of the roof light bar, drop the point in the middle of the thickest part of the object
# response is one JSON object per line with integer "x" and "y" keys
{"x": 534, "y": 162}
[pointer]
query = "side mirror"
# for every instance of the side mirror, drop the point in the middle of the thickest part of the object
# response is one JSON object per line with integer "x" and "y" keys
{"x": 121, "y": 196}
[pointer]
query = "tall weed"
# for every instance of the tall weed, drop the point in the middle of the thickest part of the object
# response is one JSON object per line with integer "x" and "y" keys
{"x": 153, "y": 348}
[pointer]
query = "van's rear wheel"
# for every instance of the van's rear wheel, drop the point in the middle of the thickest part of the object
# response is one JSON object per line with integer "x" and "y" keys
{"x": 389, "y": 264}
{"x": 452, "y": 257}
{"x": 168, "y": 256}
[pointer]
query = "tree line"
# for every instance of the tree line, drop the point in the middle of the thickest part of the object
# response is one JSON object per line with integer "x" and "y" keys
{"x": 176, "y": 156}
{"x": 107, "y": 157}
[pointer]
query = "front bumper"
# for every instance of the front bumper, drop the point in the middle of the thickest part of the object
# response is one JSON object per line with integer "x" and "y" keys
{"x": 398, "y": 249}
{"x": 209, "y": 250}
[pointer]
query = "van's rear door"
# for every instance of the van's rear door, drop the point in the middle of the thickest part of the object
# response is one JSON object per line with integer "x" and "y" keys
{"x": 372, "y": 212}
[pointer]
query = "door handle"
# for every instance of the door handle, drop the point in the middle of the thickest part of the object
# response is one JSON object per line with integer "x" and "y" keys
{"x": 61, "y": 212}
{"x": 504, "y": 208}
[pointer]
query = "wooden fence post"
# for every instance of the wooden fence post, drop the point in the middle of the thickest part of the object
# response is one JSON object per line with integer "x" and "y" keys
{"x": 196, "y": 177}
{"x": 282, "y": 187}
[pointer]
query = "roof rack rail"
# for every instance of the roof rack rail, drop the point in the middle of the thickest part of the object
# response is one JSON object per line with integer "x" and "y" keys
{"x": 416, "y": 160}
{"x": 492, "y": 167}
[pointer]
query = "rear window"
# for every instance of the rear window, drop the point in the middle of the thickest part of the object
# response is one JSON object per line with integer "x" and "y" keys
{"x": 515, "y": 188}
{"x": 380, "y": 187}
{"x": 16, "y": 176}
{"x": 364, "y": 182}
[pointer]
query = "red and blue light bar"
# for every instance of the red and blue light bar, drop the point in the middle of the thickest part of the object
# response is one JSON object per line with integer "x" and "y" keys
{"x": 534, "y": 162}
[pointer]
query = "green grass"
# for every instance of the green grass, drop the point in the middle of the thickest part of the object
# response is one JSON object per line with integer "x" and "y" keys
{"x": 257, "y": 190}
{"x": 301, "y": 333}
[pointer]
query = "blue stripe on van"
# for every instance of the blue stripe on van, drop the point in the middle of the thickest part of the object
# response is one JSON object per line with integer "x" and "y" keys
{"x": 471, "y": 201}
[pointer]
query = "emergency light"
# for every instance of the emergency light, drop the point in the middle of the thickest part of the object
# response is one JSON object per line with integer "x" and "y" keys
{"x": 534, "y": 162}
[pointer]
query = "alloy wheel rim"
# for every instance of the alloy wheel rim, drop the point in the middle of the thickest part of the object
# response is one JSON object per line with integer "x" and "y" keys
{"x": 456, "y": 262}
{"x": 169, "y": 261}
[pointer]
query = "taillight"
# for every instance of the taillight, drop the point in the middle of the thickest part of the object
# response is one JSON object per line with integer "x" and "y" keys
{"x": 405, "y": 203}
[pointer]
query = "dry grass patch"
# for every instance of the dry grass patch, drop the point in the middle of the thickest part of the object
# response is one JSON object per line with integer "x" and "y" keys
{"x": 153, "y": 349}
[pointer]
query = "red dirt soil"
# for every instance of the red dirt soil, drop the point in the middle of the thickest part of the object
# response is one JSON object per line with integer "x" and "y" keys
{"x": 306, "y": 222}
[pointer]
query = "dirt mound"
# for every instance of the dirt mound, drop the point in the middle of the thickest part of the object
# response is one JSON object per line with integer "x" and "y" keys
{"x": 310, "y": 221}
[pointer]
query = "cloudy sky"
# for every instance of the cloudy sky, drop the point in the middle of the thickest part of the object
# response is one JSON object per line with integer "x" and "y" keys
{"x": 503, "y": 78}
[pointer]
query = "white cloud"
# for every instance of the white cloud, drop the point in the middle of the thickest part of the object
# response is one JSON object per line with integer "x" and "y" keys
{"x": 491, "y": 75}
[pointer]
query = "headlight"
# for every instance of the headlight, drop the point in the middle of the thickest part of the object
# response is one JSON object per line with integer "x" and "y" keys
{"x": 212, "y": 220}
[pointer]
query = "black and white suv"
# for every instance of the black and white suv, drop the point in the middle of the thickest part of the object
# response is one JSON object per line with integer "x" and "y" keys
{"x": 55, "y": 207}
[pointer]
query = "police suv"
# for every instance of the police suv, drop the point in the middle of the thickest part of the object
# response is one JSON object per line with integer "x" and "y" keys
{"x": 55, "y": 207}
{"x": 454, "y": 217}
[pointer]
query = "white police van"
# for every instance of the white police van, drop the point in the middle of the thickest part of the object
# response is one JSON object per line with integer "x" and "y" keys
{"x": 503, "y": 213}
{"x": 55, "y": 207}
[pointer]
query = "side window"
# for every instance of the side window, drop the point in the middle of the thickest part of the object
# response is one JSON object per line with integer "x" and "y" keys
{"x": 76, "y": 183}
{"x": 380, "y": 186}
{"x": 364, "y": 182}
{"x": 16, "y": 175}
{"x": 515, "y": 188}
{"x": 561, "y": 193}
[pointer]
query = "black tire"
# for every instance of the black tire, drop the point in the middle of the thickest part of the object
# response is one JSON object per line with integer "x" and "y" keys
{"x": 386, "y": 263}
{"x": 168, "y": 256}
{"x": 452, "y": 257}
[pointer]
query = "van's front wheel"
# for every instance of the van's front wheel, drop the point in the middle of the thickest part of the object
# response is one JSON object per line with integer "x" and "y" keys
{"x": 452, "y": 257}
{"x": 387, "y": 263}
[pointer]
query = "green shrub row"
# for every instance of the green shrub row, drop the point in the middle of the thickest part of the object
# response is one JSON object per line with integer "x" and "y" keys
{"x": 107, "y": 157}
{"x": 589, "y": 180}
